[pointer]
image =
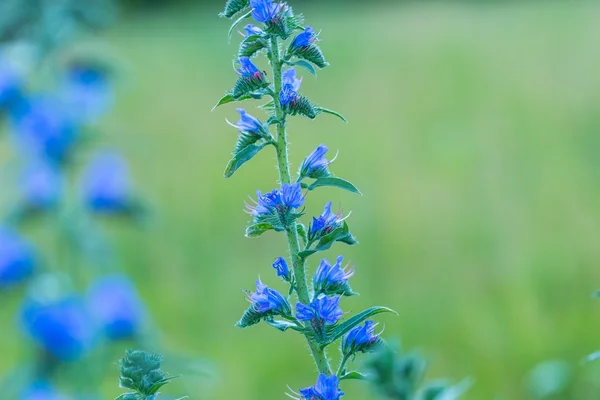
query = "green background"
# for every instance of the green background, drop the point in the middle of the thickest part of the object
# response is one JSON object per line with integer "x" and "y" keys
{"x": 474, "y": 134}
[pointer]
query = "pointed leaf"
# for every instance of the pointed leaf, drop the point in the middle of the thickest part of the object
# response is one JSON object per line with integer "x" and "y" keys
{"x": 237, "y": 22}
{"x": 334, "y": 182}
{"x": 242, "y": 157}
{"x": 283, "y": 325}
{"x": 258, "y": 229}
{"x": 328, "y": 111}
{"x": 304, "y": 64}
{"x": 301, "y": 229}
{"x": 228, "y": 98}
{"x": 337, "y": 331}
{"x": 341, "y": 234}
{"x": 354, "y": 375}
{"x": 127, "y": 396}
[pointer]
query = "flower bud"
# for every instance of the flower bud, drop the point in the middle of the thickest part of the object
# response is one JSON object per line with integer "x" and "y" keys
{"x": 333, "y": 279}
{"x": 304, "y": 46}
{"x": 360, "y": 339}
{"x": 326, "y": 388}
{"x": 315, "y": 165}
{"x": 282, "y": 269}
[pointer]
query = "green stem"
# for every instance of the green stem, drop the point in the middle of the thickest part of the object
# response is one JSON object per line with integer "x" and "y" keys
{"x": 298, "y": 262}
{"x": 342, "y": 366}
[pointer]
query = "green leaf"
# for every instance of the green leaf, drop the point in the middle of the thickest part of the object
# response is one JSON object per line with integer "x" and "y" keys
{"x": 328, "y": 111}
{"x": 304, "y": 64}
{"x": 154, "y": 388}
{"x": 242, "y": 157}
{"x": 334, "y": 182}
{"x": 237, "y": 22}
{"x": 337, "y": 331}
{"x": 258, "y": 229}
{"x": 283, "y": 325}
{"x": 593, "y": 357}
{"x": 596, "y": 294}
{"x": 128, "y": 396}
{"x": 342, "y": 234}
{"x": 228, "y": 98}
{"x": 301, "y": 229}
{"x": 456, "y": 391}
{"x": 354, "y": 375}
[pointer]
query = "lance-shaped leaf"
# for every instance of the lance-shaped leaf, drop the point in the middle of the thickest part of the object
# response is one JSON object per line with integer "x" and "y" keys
{"x": 233, "y": 7}
{"x": 354, "y": 375}
{"x": 258, "y": 229}
{"x": 251, "y": 45}
{"x": 342, "y": 234}
{"x": 228, "y": 98}
{"x": 242, "y": 157}
{"x": 320, "y": 110}
{"x": 334, "y": 182}
{"x": 337, "y": 331}
{"x": 304, "y": 64}
{"x": 284, "y": 325}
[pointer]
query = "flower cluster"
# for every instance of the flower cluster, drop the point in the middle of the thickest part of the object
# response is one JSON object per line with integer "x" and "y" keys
{"x": 318, "y": 314}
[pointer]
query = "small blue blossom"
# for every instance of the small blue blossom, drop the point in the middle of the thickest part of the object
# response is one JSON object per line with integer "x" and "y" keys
{"x": 315, "y": 165}
{"x": 250, "y": 124}
{"x": 116, "y": 307}
{"x": 106, "y": 185}
{"x": 252, "y": 30}
{"x": 282, "y": 269}
{"x": 278, "y": 202}
{"x": 248, "y": 69}
{"x": 360, "y": 339}
{"x": 304, "y": 39}
{"x": 325, "y": 223}
{"x": 41, "y": 390}
{"x": 291, "y": 85}
{"x": 17, "y": 259}
{"x": 268, "y": 301}
{"x": 321, "y": 311}
{"x": 41, "y": 186}
{"x": 332, "y": 279}
{"x": 10, "y": 83}
{"x": 62, "y": 327}
{"x": 326, "y": 388}
{"x": 264, "y": 10}
{"x": 86, "y": 92}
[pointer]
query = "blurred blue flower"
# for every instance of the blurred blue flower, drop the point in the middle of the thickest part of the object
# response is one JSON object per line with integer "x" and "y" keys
{"x": 106, "y": 185}
{"x": 360, "y": 339}
{"x": 282, "y": 269}
{"x": 248, "y": 69}
{"x": 253, "y": 30}
{"x": 17, "y": 259}
{"x": 41, "y": 390}
{"x": 304, "y": 39}
{"x": 44, "y": 128}
{"x": 250, "y": 124}
{"x": 315, "y": 165}
{"x": 86, "y": 92}
{"x": 291, "y": 85}
{"x": 326, "y": 388}
{"x": 321, "y": 311}
{"x": 278, "y": 201}
{"x": 332, "y": 279}
{"x": 268, "y": 301}
{"x": 10, "y": 83}
{"x": 264, "y": 10}
{"x": 325, "y": 223}
{"x": 61, "y": 327}
{"x": 116, "y": 307}
{"x": 41, "y": 186}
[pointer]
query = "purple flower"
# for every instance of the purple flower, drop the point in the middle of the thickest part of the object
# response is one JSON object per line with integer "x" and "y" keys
{"x": 268, "y": 301}
{"x": 61, "y": 327}
{"x": 282, "y": 269}
{"x": 360, "y": 339}
{"x": 304, "y": 39}
{"x": 41, "y": 390}
{"x": 326, "y": 388}
{"x": 278, "y": 202}
{"x": 250, "y": 124}
{"x": 116, "y": 307}
{"x": 41, "y": 186}
{"x": 107, "y": 186}
{"x": 291, "y": 85}
{"x": 264, "y": 10}
{"x": 333, "y": 279}
{"x": 17, "y": 259}
{"x": 252, "y": 30}
{"x": 315, "y": 165}
{"x": 325, "y": 223}
{"x": 86, "y": 92}
{"x": 248, "y": 69}
{"x": 321, "y": 311}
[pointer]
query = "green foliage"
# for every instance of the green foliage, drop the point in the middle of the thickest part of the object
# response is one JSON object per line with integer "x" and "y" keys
{"x": 232, "y": 7}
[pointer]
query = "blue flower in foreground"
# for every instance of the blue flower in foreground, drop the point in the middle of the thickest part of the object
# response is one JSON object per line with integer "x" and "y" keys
{"x": 116, "y": 307}
{"x": 248, "y": 69}
{"x": 325, "y": 223}
{"x": 278, "y": 202}
{"x": 360, "y": 339}
{"x": 326, "y": 388}
{"x": 264, "y": 10}
{"x": 44, "y": 128}
{"x": 250, "y": 124}
{"x": 62, "y": 327}
{"x": 87, "y": 92}
{"x": 321, "y": 311}
{"x": 304, "y": 39}
{"x": 107, "y": 186}
{"x": 291, "y": 85}
{"x": 252, "y": 30}
{"x": 268, "y": 301}
{"x": 315, "y": 165}
{"x": 332, "y": 279}
{"x": 41, "y": 390}
{"x": 17, "y": 259}
{"x": 282, "y": 269}
{"x": 41, "y": 186}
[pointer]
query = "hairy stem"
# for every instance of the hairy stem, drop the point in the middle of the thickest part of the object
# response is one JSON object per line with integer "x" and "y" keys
{"x": 298, "y": 262}
{"x": 342, "y": 367}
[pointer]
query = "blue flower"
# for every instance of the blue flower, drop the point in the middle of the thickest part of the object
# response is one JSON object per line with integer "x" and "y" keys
{"x": 264, "y": 10}
{"x": 304, "y": 39}
{"x": 44, "y": 128}
{"x": 325, "y": 223}
{"x": 41, "y": 390}
{"x": 61, "y": 327}
{"x": 116, "y": 307}
{"x": 267, "y": 301}
{"x": 86, "y": 92}
{"x": 17, "y": 259}
{"x": 278, "y": 202}
{"x": 332, "y": 279}
{"x": 282, "y": 269}
{"x": 315, "y": 165}
{"x": 321, "y": 311}
{"x": 291, "y": 85}
{"x": 41, "y": 186}
{"x": 10, "y": 83}
{"x": 106, "y": 185}
{"x": 360, "y": 339}
{"x": 252, "y": 30}
{"x": 326, "y": 388}
{"x": 249, "y": 70}
{"x": 250, "y": 124}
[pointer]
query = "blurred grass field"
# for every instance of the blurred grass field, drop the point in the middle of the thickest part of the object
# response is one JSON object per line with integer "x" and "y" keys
{"x": 474, "y": 134}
